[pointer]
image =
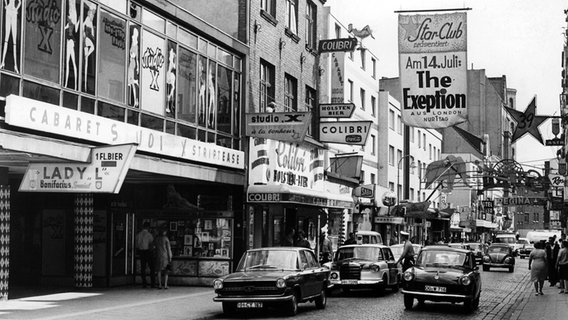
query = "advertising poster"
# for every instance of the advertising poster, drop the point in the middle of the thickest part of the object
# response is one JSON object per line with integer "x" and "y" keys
{"x": 337, "y": 85}
{"x": 433, "y": 69}
{"x": 153, "y": 68}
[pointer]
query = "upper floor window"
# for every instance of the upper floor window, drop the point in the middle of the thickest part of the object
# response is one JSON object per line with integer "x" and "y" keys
{"x": 391, "y": 119}
{"x": 266, "y": 85}
{"x": 310, "y": 103}
{"x": 311, "y": 25}
{"x": 363, "y": 59}
{"x": 373, "y": 178}
{"x": 337, "y": 31}
{"x": 362, "y": 93}
{"x": 374, "y": 67}
{"x": 373, "y": 105}
{"x": 350, "y": 82}
{"x": 391, "y": 155}
{"x": 411, "y": 134}
{"x": 269, "y": 6}
{"x": 290, "y": 93}
{"x": 424, "y": 140}
{"x": 419, "y": 140}
{"x": 373, "y": 144}
{"x": 399, "y": 124}
{"x": 291, "y": 16}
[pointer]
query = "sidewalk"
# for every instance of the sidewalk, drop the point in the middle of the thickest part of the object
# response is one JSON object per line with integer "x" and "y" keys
{"x": 550, "y": 306}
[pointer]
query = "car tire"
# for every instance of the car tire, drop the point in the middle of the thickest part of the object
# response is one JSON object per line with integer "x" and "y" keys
{"x": 292, "y": 306}
{"x": 485, "y": 268}
{"x": 229, "y": 308}
{"x": 381, "y": 287}
{"x": 511, "y": 269}
{"x": 408, "y": 302}
{"x": 476, "y": 303}
{"x": 321, "y": 301}
{"x": 420, "y": 303}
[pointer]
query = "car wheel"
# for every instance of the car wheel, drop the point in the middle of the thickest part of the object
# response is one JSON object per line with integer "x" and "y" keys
{"x": 408, "y": 301}
{"x": 511, "y": 269}
{"x": 476, "y": 303}
{"x": 421, "y": 303}
{"x": 381, "y": 287}
{"x": 321, "y": 301}
{"x": 229, "y": 308}
{"x": 485, "y": 268}
{"x": 293, "y": 306}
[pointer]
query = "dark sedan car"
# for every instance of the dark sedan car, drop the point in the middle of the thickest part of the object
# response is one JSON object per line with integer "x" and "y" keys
{"x": 279, "y": 276}
{"x": 499, "y": 255}
{"x": 365, "y": 266}
{"x": 478, "y": 250}
{"x": 443, "y": 273}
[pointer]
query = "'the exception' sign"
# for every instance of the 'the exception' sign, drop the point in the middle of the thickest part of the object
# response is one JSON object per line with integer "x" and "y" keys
{"x": 332, "y": 45}
{"x": 345, "y": 132}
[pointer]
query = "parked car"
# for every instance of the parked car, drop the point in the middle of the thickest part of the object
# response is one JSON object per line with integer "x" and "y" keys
{"x": 365, "y": 266}
{"x": 278, "y": 276}
{"x": 443, "y": 273}
{"x": 478, "y": 250}
{"x": 368, "y": 237}
{"x": 526, "y": 248}
{"x": 499, "y": 255}
{"x": 398, "y": 248}
{"x": 457, "y": 245}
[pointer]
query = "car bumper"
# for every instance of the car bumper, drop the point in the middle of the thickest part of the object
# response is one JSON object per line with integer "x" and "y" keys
{"x": 438, "y": 296}
{"x": 354, "y": 283}
{"x": 252, "y": 299}
{"x": 498, "y": 265}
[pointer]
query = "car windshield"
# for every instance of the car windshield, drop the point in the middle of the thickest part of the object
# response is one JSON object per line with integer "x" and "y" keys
{"x": 505, "y": 240}
{"x": 269, "y": 259}
{"x": 498, "y": 250}
{"x": 441, "y": 258}
{"x": 363, "y": 253}
{"x": 474, "y": 246}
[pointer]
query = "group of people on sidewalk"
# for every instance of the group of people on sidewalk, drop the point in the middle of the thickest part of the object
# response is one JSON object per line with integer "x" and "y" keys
{"x": 549, "y": 260}
{"x": 155, "y": 254}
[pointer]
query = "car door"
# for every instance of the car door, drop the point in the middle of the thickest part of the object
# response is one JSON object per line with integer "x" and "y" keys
{"x": 392, "y": 266}
{"x": 321, "y": 274}
{"x": 308, "y": 275}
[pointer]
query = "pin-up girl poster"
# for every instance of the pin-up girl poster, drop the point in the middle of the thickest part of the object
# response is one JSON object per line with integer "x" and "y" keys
{"x": 202, "y": 98}
{"x": 89, "y": 42}
{"x": 171, "y": 80}
{"x": 71, "y": 43}
{"x": 211, "y": 96}
{"x": 134, "y": 67}
{"x": 11, "y": 34}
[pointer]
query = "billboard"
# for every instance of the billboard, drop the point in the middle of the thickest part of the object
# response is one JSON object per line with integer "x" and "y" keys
{"x": 433, "y": 69}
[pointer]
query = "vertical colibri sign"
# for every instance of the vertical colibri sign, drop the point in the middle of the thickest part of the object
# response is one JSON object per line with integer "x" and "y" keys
{"x": 433, "y": 69}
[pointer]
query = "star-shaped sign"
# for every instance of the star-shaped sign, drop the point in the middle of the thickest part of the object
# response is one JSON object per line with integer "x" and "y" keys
{"x": 527, "y": 122}
{"x": 410, "y": 27}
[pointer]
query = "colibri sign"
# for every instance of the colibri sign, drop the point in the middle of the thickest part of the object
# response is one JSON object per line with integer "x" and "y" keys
{"x": 334, "y": 45}
{"x": 105, "y": 173}
{"x": 345, "y": 132}
{"x": 282, "y": 126}
{"x": 336, "y": 110}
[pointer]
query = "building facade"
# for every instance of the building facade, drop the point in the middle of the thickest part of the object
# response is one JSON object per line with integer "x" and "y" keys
{"x": 78, "y": 76}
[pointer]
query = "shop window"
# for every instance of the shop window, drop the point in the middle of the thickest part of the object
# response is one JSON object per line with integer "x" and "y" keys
{"x": 87, "y": 105}
{"x": 8, "y": 85}
{"x": 224, "y": 84}
{"x": 236, "y": 104}
{"x": 187, "y": 38}
{"x": 224, "y": 141}
{"x": 133, "y": 72}
{"x": 211, "y": 137}
{"x": 153, "y": 21}
{"x": 170, "y": 127}
{"x": 71, "y": 60}
{"x": 153, "y": 68}
{"x": 201, "y": 135}
{"x": 202, "y": 84}
{"x": 89, "y": 36}
{"x": 42, "y": 93}
{"x": 42, "y": 46}
{"x": 171, "y": 79}
{"x": 110, "y": 111}
{"x": 112, "y": 42}
{"x": 70, "y": 100}
{"x": 186, "y": 132}
{"x": 211, "y": 96}
{"x": 187, "y": 86}
{"x": 151, "y": 122}
{"x": 224, "y": 57}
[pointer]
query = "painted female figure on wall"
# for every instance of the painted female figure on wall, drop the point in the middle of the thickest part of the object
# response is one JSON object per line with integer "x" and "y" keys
{"x": 11, "y": 8}
{"x": 134, "y": 67}
{"x": 211, "y": 96}
{"x": 171, "y": 81}
{"x": 202, "y": 99}
{"x": 89, "y": 40}
{"x": 71, "y": 29}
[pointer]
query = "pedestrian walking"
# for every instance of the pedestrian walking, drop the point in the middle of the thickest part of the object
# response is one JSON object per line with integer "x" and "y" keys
{"x": 562, "y": 267}
{"x": 163, "y": 257}
{"x": 326, "y": 248}
{"x": 538, "y": 267}
{"x": 407, "y": 256}
{"x": 145, "y": 246}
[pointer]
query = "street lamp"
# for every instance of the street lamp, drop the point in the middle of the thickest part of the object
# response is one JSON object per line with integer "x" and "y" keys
{"x": 412, "y": 165}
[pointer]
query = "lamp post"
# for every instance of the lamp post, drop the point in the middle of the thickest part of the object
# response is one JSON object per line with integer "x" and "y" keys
{"x": 412, "y": 165}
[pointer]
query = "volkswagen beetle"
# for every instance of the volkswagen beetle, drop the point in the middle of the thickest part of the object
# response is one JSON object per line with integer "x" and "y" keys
{"x": 278, "y": 276}
{"x": 443, "y": 273}
{"x": 500, "y": 255}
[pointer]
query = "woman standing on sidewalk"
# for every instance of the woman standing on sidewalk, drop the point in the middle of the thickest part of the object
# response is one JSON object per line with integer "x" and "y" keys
{"x": 562, "y": 266}
{"x": 537, "y": 265}
{"x": 163, "y": 257}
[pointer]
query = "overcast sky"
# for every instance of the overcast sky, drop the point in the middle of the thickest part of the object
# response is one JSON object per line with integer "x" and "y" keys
{"x": 521, "y": 39}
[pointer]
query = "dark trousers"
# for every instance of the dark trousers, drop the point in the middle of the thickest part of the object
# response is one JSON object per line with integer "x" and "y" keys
{"x": 147, "y": 260}
{"x": 407, "y": 262}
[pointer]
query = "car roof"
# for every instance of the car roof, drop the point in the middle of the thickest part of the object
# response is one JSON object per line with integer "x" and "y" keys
{"x": 498, "y": 244}
{"x": 367, "y": 232}
{"x": 444, "y": 248}
{"x": 280, "y": 248}
{"x": 373, "y": 245}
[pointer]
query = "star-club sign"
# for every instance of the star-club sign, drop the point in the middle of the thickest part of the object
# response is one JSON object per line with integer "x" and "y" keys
{"x": 411, "y": 27}
{"x": 527, "y": 122}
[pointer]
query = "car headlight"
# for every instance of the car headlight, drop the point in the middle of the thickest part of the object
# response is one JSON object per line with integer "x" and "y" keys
{"x": 408, "y": 276}
{"x": 281, "y": 283}
{"x": 508, "y": 260}
{"x": 375, "y": 268}
{"x": 334, "y": 275}
{"x": 218, "y": 284}
{"x": 465, "y": 280}
{"x": 486, "y": 259}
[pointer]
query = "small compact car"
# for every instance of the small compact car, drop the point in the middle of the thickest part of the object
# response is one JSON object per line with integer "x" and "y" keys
{"x": 499, "y": 255}
{"x": 277, "y": 276}
{"x": 364, "y": 266}
{"x": 443, "y": 273}
{"x": 478, "y": 250}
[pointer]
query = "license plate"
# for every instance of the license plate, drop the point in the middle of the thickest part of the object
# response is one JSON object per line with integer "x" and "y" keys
{"x": 249, "y": 305}
{"x": 348, "y": 281}
{"x": 435, "y": 289}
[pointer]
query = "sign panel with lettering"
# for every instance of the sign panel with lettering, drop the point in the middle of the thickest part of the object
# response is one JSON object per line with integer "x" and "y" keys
{"x": 391, "y": 220}
{"x": 333, "y": 45}
{"x": 345, "y": 132}
{"x": 41, "y": 116}
{"x": 105, "y": 173}
{"x": 365, "y": 191}
{"x": 432, "y": 64}
{"x": 336, "y": 110}
{"x": 520, "y": 201}
{"x": 283, "y": 126}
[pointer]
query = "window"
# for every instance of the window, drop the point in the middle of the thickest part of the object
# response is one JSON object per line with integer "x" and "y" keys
{"x": 430, "y": 151}
{"x": 266, "y": 85}
{"x": 398, "y": 157}
{"x": 311, "y": 25}
{"x": 310, "y": 103}
{"x": 391, "y": 119}
{"x": 424, "y": 140}
{"x": 399, "y": 124}
{"x": 362, "y": 177}
{"x": 373, "y": 105}
{"x": 363, "y": 58}
{"x": 419, "y": 170}
{"x": 362, "y": 94}
{"x": 391, "y": 186}
{"x": 291, "y": 93}
{"x": 372, "y": 178}
{"x": 412, "y": 165}
{"x": 291, "y": 16}
{"x": 337, "y": 31}
{"x": 419, "y": 140}
{"x": 268, "y": 6}
{"x": 435, "y": 153}
{"x": 411, "y": 194}
{"x": 374, "y": 66}
{"x": 391, "y": 155}
{"x": 411, "y": 129}
{"x": 373, "y": 142}
{"x": 350, "y": 90}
